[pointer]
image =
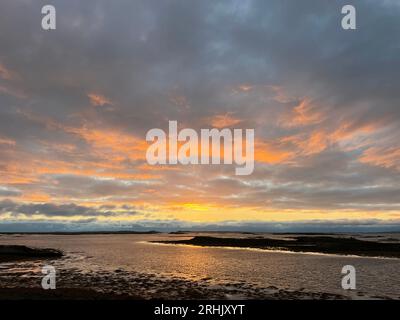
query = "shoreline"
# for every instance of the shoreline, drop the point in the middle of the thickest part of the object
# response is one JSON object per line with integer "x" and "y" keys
{"x": 126, "y": 285}
{"x": 123, "y": 285}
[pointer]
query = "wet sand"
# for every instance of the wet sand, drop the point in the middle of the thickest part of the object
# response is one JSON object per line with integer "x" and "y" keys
{"x": 24, "y": 263}
{"x": 124, "y": 285}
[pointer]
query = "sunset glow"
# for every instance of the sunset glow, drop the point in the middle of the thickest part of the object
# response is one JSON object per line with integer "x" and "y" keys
{"x": 74, "y": 115}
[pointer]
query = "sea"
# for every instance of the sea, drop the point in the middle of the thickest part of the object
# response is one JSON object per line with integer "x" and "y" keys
{"x": 133, "y": 264}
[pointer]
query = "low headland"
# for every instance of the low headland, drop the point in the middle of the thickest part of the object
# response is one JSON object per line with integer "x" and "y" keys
{"x": 313, "y": 244}
{"x": 17, "y": 252}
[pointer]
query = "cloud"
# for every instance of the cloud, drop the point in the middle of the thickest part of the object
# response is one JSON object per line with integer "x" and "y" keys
{"x": 224, "y": 121}
{"x": 77, "y": 103}
{"x": 8, "y": 192}
{"x": 56, "y": 210}
{"x": 5, "y": 73}
{"x": 98, "y": 99}
{"x": 386, "y": 157}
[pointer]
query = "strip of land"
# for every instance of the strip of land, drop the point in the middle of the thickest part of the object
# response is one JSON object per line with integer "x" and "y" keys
{"x": 75, "y": 233}
{"x": 15, "y": 252}
{"x": 314, "y": 244}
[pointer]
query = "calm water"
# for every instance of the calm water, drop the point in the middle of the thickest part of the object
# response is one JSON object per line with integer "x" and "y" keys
{"x": 292, "y": 271}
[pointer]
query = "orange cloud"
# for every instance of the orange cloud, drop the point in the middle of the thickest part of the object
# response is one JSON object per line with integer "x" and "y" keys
{"x": 303, "y": 114}
{"x": 15, "y": 174}
{"x": 97, "y": 99}
{"x": 245, "y": 87}
{"x": 383, "y": 157}
{"x": 315, "y": 142}
{"x": 270, "y": 153}
{"x": 224, "y": 121}
{"x": 5, "y": 73}
{"x": 107, "y": 155}
{"x": 35, "y": 197}
{"x": 114, "y": 142}
{"x": 348, "y": 130}
{"x": 319, "y": 140}
{"x": 6, "y": 141}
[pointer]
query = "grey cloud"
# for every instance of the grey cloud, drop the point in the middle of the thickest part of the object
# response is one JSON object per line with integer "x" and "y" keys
{"x": 86, "y": 186}
{"x": 55, "y": 210}
{"x": 9, "y": 192}
{"x": 201, "y": 47}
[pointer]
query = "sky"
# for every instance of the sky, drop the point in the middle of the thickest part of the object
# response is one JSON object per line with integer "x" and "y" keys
{"x": 76, "y": 103}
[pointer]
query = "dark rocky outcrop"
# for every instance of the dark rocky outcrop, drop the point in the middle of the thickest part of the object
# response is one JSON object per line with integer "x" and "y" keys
{"x": 315, "y": 244}
{"x": 18, "y": 252}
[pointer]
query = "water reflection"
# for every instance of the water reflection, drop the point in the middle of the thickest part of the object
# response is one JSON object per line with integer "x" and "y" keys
{"x": 93, "y": 254}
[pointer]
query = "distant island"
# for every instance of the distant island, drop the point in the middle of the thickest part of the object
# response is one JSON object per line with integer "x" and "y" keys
{"x": 66, "y": 233}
